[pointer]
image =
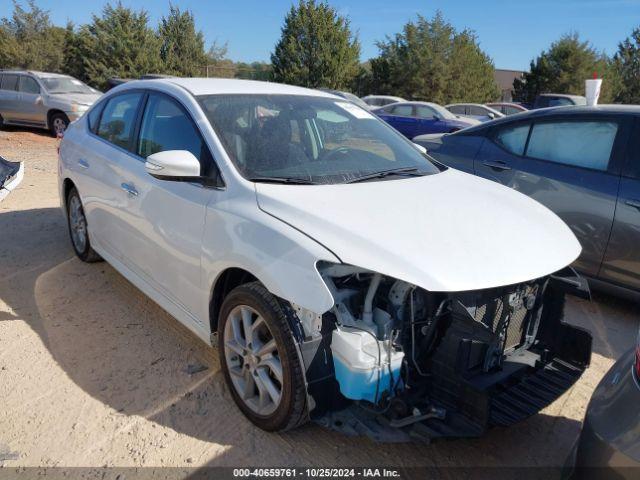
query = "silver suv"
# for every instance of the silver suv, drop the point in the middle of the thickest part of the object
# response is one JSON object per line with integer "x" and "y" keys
{"x": 45, "y": 100}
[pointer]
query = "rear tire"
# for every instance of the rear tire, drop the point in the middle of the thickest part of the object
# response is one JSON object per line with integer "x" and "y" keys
{"x": 78, "y": 230}
{"x": 1, "y": 122}
{"x": 264, "y": 363}
{"x": 58, "y": 124}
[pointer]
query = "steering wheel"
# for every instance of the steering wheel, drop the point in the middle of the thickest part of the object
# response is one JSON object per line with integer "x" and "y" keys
{"x": 329, "y": 154}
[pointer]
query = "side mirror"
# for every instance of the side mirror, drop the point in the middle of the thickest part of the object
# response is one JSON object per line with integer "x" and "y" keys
{"x": 491, "y": 115}
{"x": 420, "y": 148}
{"x": 173, "y": 165}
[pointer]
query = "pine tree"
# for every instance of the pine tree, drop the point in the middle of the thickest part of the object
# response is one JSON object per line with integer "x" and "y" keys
{"x": 181, "y": 45}
{"x": 430, "y": 60}
{"x": 316, "y": 48}
{"x": 28, "y": 39}
{"x": 625, "y": 71}
{"x": 563, "y": 69}
{"x": 118, "y": 44}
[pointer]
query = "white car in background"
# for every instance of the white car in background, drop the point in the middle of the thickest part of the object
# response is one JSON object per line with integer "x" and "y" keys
{"x": 476, "y": 111}
{"x": 344, "y": 275}
{"x": 376, "y": 101}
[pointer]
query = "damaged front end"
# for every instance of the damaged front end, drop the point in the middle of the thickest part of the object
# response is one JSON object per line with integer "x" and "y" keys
{"x": 395, "y": 362}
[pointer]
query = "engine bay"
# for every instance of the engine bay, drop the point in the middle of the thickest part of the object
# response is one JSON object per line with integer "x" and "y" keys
{"x": 395, "y": 362}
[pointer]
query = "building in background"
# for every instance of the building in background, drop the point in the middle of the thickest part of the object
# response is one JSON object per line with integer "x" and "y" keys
{"x": 504, "y": 79}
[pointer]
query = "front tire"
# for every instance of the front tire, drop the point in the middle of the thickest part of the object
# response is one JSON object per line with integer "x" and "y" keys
{"x": 58, "y": 125}
{"x": 78, "y": 231}
{"x": 259, "y": 359}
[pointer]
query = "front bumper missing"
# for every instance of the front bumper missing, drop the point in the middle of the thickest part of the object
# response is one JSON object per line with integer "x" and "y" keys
{"x": 525, "y": 385}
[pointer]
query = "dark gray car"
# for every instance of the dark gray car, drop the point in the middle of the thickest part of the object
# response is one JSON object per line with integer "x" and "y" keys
{"x": 581, "y": 162}
{"x": 609, "y": 444}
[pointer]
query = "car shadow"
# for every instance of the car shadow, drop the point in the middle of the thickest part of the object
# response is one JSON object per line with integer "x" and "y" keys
{"x": 122, "y": 349}
{"x": 37, "y": 131}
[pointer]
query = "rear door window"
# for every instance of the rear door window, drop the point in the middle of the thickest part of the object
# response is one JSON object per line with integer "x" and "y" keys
{"x": 586, "y": 144}
{"x": 473, "y": 110}
{"x": 118, "y": 119}
{"x": 9, "y": 82}
{"x": 403, "y": 110}
{"x": 457, "y": 109}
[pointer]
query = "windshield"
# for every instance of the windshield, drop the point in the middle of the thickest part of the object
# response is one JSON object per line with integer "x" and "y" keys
{"x": 65, "y": 85}
{"x": 353, "y": 99}
{"x": 443, "y": 112}
{"x": 311, "y": 139}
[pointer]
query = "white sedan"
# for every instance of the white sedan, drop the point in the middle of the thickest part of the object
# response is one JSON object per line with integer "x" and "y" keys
{"x": 345, "y": 276}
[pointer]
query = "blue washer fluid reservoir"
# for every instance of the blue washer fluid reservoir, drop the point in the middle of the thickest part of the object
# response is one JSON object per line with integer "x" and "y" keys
{"x": 361, "y": 364}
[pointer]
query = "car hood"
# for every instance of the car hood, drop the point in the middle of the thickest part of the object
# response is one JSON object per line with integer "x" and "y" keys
{"x": 445, "y": 232}
{"x": 435, "y": 138}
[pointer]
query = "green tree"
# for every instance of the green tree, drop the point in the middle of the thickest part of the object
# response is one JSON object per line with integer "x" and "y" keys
{"x": 625, "y": 70}
{"x": 181, "y": 45}
{"x": 117, "y": 44}
{"x": 563, "y": 69}
{"x": 316, "y": 48}
{"x": 29, "y": 40}
{"x": 9, "y": 50}
{"x": 431, "y": 60}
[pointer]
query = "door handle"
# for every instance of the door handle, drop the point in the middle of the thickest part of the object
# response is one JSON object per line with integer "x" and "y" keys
{"x": 633, "y": 203}
{"x": 83, "y": 163}
{"x": 496, "y": 165}
{"x": 130, "y": 189}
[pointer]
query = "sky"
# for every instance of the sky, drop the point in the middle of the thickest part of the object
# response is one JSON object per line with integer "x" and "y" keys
{"x": 512, "y": 32}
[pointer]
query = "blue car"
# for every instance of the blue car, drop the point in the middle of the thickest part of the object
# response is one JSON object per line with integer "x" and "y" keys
{"x": 417, "y": 118}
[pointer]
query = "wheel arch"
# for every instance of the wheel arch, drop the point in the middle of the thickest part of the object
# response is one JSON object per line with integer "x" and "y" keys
{"x": 229, "y": 279}
{"x": 67, "y": 185}
{"x": 51, "y": 113}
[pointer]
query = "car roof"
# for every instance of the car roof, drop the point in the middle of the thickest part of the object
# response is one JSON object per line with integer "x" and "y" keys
{"x": 35, "y": 73}
{"x": 212, "y": 86}
{"x": 466, "y": 104}
{"x": 506, "y": 104}
{"x": 560, "y": 111}
{"x": 561, "y": 95}
{"x": 388, "y": 97}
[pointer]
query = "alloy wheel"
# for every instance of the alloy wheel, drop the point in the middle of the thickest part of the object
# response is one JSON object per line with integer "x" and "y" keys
{"x": 252, "y": 359}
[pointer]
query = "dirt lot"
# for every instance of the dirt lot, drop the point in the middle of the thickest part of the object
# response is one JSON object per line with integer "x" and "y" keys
{"x": 92, "y": 373}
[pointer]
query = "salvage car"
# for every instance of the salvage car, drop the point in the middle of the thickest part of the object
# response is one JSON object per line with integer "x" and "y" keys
{"x": 345, "y": 276}
{"x": 582, "y": 163}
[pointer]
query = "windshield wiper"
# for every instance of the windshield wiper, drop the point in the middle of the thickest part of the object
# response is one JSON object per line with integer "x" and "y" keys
{"x": 291, "y": 180}
{"x": 408, "y": 171}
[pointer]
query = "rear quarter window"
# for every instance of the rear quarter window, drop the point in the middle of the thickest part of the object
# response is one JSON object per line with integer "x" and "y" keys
{"x": 117, "y": 120}
{"x": 513, "y": 138}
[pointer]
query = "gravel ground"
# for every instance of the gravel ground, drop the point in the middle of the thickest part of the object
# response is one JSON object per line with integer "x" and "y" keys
{"x": 93, "y": 373}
